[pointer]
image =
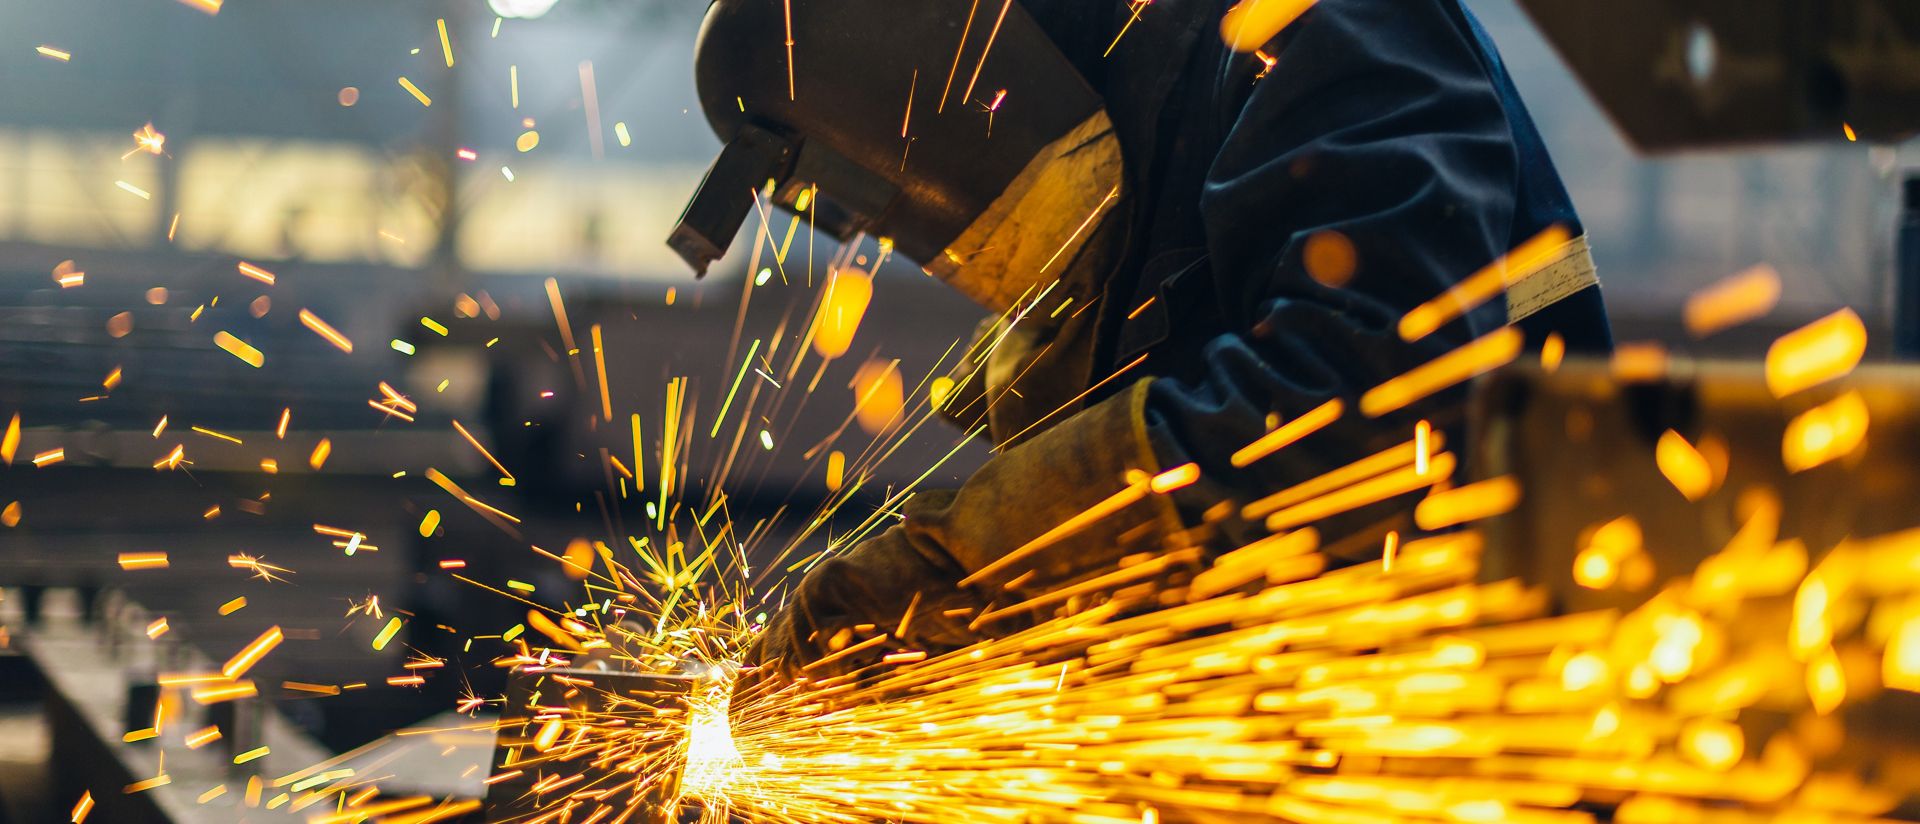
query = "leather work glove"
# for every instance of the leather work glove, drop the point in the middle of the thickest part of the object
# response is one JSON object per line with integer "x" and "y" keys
{"x": 947, "y": 535}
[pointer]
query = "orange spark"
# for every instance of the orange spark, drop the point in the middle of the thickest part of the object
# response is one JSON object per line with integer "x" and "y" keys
{"x": 239, "y": 349}
{"x": 1484, "y": 285}
{"x": 321, "y": 328}
{"x": 256, "y": 273}
{"x": 143, "y": 560}
{"x": 1683, "y": 465}
{"x": 1733, "y": 301}
{"x": 145, "y": 139}
{"x": 252, "y": 653}
{"x": 1496, "y": 349}
{"x": 1485, "y": 499}
{"x": 1312, "y": 421}
{"x": 1821, "y": 351}
{"x": 1825, "y": 433}
{"x": 1251, "y": 23}
{"x": 225, "y": 692}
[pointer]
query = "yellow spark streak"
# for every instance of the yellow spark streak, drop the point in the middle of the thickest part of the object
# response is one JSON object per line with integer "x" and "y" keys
{"x": 849, "y": 293}
{"x": 1826, "y": 682}
{"x": 591, "y": 97}
{"x": 318, "y": 689}
{"x": 223, "y": 693}
{"x": 57, "y": 54}
{"x": 788, "y": 8}
{"x": 320, "y": 452}
{"x": 446, "y": 45}
{"x": 912, "y": 86}
{"x": 211, "y": 7}
{"x": 1821, "y": 351}
{"x": 1553, "y": 350}
{"x": 1368, "y": 467}
{"x": 429, "y": 523}
{"x": 212, "y": 434}
{"x": 961, "y": 49}
{"x": 1481, "y": 286}
{"x": 479, "y": 504}
{"x": 850, "y": 651}
{"x": 386, "y": 634}
{"x": 1485, "y": 499}
{"x": 1733, "y": 301}
{"x": 1825, "y": 433}
{"x": 639, "y": 465}
{"x": 1683, "y": 466}
{"x": 249, "y": 755}
{"x": 1076, "y": 399}
{"x": 600, "y": 366}
{"x": 143, "y": 560}
{"x": 513, "y": 84}
{"x": 1900, "y": 667}
{"x": 1494, "y": 350}
{"x": 416, "y": 92}
{"x": 1164, "y": 482}
{"x": 256, "y": 273}
{"x": 1367, "y": 492}
{"x": 475, "y": 443}
{"x": 239, "y": 349}
{"x": 991, "y": 36}
{"x": 10, "y": 442}
{"x": 148, "y": 784}
{"x": 1251, "y": 23}
{"x": 321, "y": 328}
{"x": 560, "y": 314}
{"x": 836, "y": 470}
{"x": 233, "y": 606}
{"x": 1133, "y": 18}
{"x": 1422, "y": 446}
{"x": 252, "y": 653}
{"x": 1112, "y": 195}
{"x": 157, "y": 628}
{"x": 1292, "y": 431}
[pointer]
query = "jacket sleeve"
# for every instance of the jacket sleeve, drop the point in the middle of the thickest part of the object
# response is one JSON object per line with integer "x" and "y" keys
{"x": 1375, "y": 130}
{"x": 1377, "y": 122}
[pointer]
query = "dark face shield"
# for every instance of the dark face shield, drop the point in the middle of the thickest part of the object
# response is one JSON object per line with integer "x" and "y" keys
{"x": 901, "y": 119}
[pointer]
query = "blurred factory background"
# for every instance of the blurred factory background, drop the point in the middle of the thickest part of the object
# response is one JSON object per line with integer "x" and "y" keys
{"x": 561, "y": 143}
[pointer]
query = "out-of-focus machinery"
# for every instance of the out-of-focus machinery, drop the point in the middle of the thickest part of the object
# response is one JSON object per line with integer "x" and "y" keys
{"x": 1700, "y": 74}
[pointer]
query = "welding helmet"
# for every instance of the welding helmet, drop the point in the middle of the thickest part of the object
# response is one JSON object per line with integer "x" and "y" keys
{"x": 955, "y": 128}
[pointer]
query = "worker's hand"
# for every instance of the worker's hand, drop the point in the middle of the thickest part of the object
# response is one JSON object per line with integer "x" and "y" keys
{"x": 860, "y": 595}
{"x": 834, "y": 618}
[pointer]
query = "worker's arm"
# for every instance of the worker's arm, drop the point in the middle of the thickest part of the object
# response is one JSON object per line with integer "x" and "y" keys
{"x": 1378, "y": 125}
{"x": 1377, "y": 122}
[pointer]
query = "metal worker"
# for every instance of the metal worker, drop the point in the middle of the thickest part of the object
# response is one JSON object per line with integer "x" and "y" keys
{"x": 1185, "y": 238}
